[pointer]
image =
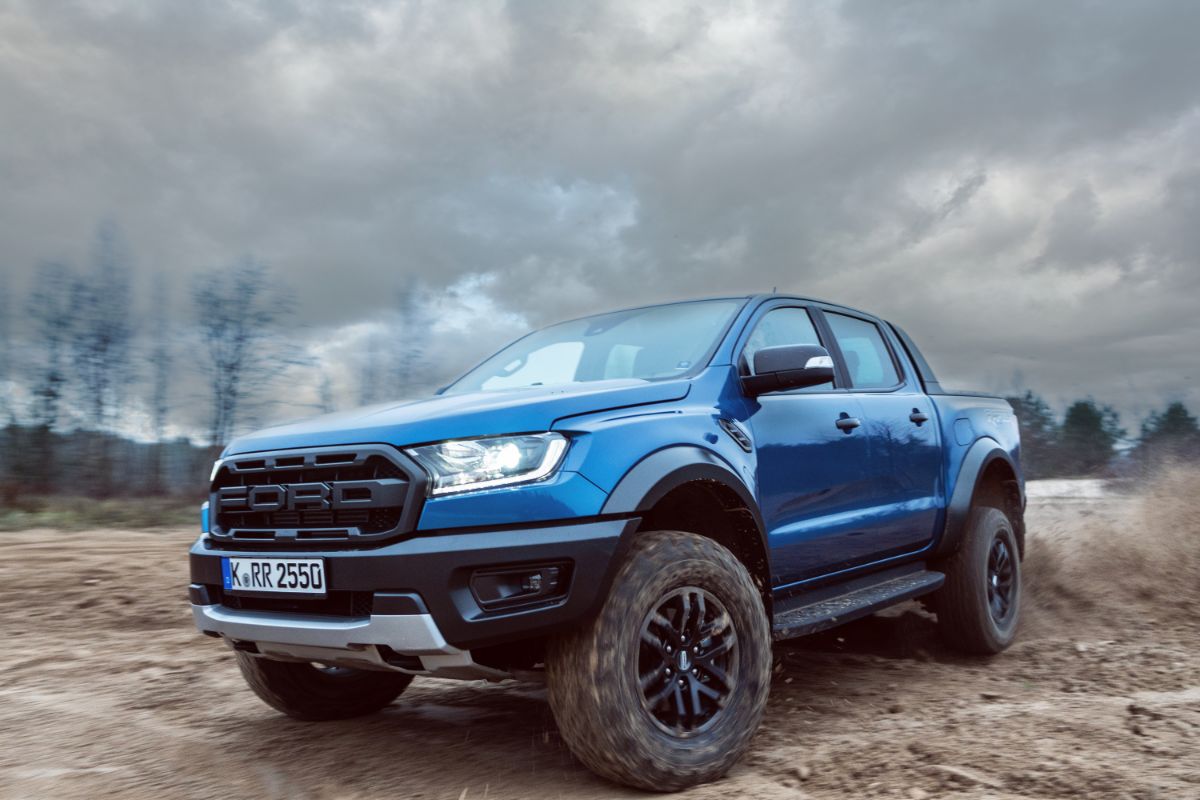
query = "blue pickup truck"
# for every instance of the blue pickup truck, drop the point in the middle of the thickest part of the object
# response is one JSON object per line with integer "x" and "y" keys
{"x": 631, "y": 507}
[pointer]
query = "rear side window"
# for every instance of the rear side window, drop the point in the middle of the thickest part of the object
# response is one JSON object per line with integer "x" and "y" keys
{"x": 867, "y": 356}
{"x": 780, "y": 326}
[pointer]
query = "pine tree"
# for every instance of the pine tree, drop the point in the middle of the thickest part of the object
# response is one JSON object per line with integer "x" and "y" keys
{"x": 1039, "y": 434}
{"x": 1090, "y": 433}
{"x": 1172, "y": 434}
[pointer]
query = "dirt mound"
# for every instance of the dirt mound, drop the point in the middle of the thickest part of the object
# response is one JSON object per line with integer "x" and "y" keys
{"x": 1108, "y": 561}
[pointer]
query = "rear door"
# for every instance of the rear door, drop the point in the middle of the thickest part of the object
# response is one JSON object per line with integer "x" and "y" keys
{"x": 814, "y": 481}
{"x": 898, "y": 420}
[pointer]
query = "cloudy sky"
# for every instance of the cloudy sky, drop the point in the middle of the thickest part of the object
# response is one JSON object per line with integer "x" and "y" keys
{"x": 1017, "y": 183}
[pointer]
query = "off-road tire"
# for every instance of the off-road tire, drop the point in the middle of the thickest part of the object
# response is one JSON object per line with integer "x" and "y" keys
{"x": 593, "y": 672}
{"x": 966, "y": 619}
{"x": 306, "y": 692}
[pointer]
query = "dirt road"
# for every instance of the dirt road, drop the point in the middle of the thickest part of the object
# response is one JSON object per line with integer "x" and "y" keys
{"x": 106, "y": 691}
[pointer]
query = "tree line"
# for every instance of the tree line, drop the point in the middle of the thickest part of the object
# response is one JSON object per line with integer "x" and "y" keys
{"x": 1089, "y": 439}
{"x": 89, "y": 357}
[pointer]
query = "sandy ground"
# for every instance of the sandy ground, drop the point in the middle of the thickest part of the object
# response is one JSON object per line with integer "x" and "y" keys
{"x": 106, "y": 691}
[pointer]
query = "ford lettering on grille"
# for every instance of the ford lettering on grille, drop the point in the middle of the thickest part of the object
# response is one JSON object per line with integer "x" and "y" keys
{"x": 320, "y": 495}
{"x": 311, "y": 496}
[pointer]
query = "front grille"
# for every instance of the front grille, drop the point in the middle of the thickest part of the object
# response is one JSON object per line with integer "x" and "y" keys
{"x": 335, "y": 604}
{"x": 317, "y": 496}
{"x": 372, "y": 521}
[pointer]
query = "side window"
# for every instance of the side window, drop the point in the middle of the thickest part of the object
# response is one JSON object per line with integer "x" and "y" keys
{"x": 780, "y": 326}
{"x": 867, "y": 357}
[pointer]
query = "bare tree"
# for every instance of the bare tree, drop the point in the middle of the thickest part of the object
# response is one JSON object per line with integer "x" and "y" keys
{"x": 7, "y": 407}
{"x": 49, "y": 313}
{"x": 325, "y": 402}
{"x": 9, "y": 441}
{"x": 410, "y": 355}
{"x": 102, "y": 330}
{"x": 160, "y": 363}
{"x": 159, "y": 359}
{"x": 369, "y": 390}
{"x": 101, "y": 348}
{"x": 238, "y": 308}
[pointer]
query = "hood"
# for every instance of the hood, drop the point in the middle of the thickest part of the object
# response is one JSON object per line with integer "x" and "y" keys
{"x": 456, "y": 416}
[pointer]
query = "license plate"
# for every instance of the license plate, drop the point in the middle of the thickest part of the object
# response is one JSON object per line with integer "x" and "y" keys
{"x": 274, "y": 575}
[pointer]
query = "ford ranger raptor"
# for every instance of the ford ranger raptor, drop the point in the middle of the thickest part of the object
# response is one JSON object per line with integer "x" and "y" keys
{"x": 631, "y": 507}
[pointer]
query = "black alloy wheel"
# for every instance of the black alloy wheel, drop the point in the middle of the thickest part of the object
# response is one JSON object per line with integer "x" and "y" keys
{"x": 979, "y": 606}
{"x": 687, "y": 664}
{"x": 1001, "y": 579}
{"x": 664, "y": 688}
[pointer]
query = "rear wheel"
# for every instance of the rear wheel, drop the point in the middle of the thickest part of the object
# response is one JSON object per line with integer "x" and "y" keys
{"x": 666, "y": 687}
{"x": 311, "y": 692}
{"x": 979, "y": 607}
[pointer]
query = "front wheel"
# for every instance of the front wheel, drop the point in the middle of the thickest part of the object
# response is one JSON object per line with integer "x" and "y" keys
{"x": 666, "y": 687}
{"x": 311, "y": 692}
{"x": 979, "y": 606}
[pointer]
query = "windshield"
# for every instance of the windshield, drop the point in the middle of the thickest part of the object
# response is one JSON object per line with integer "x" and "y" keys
{"x": 644, "y": 343}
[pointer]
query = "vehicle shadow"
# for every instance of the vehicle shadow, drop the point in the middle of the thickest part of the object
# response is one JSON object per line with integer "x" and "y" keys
{"x": 471, "y": 740}
{"x": 439, "y": 739}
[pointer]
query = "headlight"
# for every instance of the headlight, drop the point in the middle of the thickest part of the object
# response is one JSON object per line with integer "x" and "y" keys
{"x": 463, "y": 465}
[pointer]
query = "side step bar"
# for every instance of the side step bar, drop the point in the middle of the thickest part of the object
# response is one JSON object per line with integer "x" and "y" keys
{"x": 822, "y": 610}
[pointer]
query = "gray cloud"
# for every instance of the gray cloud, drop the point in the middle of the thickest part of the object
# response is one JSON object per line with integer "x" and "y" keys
{"x": 1015, "y": 182}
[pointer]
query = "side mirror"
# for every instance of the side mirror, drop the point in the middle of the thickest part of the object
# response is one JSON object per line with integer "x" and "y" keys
{"x": 792, "y": 366}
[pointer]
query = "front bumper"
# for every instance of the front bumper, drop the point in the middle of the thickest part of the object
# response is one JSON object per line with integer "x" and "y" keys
{"x": 389, "y": 642}
{"x": 428, "y": 578}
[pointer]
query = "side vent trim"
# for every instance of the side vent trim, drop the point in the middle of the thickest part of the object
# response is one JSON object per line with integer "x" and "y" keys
{"x": 737, "y": 433}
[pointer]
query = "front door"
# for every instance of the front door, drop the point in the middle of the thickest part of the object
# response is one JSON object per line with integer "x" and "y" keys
{"x": 814, "y": 483}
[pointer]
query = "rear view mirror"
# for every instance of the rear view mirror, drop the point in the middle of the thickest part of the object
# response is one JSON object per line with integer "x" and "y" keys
{"x": 792, "y": 366}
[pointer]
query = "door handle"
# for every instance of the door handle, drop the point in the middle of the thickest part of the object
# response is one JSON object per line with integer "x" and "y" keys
{"x": 918, "y": 417}
{"x": 847, "y": 423}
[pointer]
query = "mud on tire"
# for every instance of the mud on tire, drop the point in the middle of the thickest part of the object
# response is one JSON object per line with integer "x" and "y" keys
{"x": 612, "y": 682}
{"x": 979, "y": 607}
{"x": 306, "y": 692}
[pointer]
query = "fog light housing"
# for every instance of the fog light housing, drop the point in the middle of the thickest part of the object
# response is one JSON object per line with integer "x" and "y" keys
{"x": 509, "y": 587}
